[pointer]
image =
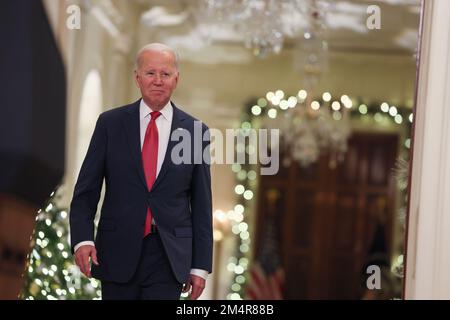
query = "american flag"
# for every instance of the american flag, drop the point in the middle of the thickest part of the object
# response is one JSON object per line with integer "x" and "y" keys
{"x": 266, "y": 274}
{"x": 263, "y": 286}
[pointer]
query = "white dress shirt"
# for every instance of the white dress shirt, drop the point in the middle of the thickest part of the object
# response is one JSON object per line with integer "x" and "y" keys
{"x": 163, "y": 123}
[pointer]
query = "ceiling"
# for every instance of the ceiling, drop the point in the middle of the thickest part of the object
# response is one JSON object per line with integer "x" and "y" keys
{"x": 176, "y": 22}
{"x": 221, "y": 75}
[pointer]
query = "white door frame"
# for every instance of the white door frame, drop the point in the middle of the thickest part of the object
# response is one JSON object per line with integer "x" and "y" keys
{"x": 428, "y": 238}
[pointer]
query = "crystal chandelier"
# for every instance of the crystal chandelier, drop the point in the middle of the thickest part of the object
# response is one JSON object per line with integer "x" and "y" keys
{"x": 310, "y": 129}
{"x": 265, "y": 24}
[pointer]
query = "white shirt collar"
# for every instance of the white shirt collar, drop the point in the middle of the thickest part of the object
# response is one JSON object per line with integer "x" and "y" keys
{"x": 166, "y": 112}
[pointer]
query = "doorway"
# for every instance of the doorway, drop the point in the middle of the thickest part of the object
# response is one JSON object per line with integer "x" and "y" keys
{"x": 333, "y": 222}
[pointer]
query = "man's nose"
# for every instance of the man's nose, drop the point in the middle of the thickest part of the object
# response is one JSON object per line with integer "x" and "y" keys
{"x": 158, "y": 79}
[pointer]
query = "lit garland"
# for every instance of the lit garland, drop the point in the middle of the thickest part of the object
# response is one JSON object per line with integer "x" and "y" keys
{"x": 271, "y": 105}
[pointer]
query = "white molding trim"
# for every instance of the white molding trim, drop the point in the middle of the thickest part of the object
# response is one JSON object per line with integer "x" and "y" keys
{"x": 428, "y": 247}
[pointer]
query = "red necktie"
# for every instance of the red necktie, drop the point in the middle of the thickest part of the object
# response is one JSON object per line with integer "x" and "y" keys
{"x": 150, "y": 160}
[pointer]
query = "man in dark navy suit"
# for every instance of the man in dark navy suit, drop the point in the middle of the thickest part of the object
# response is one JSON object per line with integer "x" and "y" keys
{"x": 154, "y": 236}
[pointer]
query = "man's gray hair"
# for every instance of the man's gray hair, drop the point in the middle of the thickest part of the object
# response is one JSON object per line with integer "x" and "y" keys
{"x": 159, "y": 47}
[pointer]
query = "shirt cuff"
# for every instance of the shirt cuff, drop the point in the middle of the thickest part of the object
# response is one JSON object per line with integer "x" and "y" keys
{"x": 199, "y": 272}
{"x": 83, "y": 243}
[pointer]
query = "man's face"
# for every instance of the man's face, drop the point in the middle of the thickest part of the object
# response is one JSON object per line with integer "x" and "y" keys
{"x": 157, "y": 77}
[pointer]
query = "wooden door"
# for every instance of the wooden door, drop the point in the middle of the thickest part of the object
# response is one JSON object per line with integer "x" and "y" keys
{"x": 327, "y": 217}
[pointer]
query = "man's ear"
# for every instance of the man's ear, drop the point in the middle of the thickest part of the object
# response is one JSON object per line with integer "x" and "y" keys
{"x": 136, "y": 76}
{"x": 177, "y": 77}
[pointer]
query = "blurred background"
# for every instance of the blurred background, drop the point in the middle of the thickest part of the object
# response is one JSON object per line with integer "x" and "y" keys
{"x": 336, "y": 77}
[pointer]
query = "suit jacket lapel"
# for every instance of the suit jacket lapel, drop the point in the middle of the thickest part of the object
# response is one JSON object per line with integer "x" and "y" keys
{"x": 176, "y": 123}
{"x": 132, "y": 128}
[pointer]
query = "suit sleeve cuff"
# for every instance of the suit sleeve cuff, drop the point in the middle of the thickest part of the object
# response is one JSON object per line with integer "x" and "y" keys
{"x": 83, "y": 243}
{"x": 199, "y": 272}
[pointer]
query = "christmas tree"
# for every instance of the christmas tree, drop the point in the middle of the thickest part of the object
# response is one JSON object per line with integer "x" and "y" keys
{"x": 50, "y": 271}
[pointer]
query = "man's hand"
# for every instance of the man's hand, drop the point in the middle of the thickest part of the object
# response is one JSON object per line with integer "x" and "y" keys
{"x": 197, "y": 283}
{"x": 82, "y": 256}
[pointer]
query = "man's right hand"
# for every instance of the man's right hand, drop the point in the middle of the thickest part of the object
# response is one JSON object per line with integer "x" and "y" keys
{"x": 82, "y": 256}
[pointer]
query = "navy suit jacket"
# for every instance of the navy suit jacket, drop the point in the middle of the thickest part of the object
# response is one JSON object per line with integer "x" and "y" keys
{"x": 180, "y": 199}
